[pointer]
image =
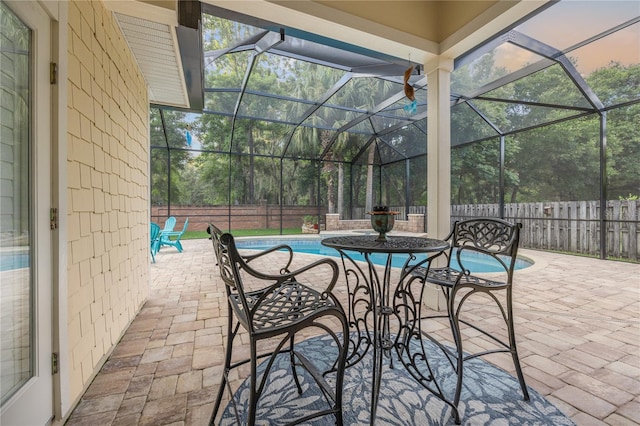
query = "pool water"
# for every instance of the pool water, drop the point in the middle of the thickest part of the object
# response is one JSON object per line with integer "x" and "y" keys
{"x": 475, "y": 262}
{"x": 9, "y": 261}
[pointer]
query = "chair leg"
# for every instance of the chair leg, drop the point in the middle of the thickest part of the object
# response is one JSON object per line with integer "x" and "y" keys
{"x": 216, "y": 407}
{"x": 342, "y": 362}
{"x": 457, "y": 339}
{"x": 514, "y": 350}
{"x": 227, "y": 365}
{"x": 292, "y": 359}
{"x": 516, "y": 363}
{"x": 253, "y": 392}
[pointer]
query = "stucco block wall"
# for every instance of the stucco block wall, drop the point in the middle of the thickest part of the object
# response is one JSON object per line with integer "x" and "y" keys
{"x": 107, "y": 171}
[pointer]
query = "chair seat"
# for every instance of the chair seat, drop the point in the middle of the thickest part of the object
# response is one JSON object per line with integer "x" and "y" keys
{"x": 449, "y": 276}
{"x": 281, "y": 306}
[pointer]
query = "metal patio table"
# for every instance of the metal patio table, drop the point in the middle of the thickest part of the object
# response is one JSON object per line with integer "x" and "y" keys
{"x": 371, "y": 308}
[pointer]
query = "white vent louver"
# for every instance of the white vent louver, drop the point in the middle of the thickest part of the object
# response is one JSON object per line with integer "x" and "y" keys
{"x": 155, "y": 49}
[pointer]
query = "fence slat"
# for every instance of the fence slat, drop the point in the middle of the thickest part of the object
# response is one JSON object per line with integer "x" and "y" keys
{"x": 633, "y": 229}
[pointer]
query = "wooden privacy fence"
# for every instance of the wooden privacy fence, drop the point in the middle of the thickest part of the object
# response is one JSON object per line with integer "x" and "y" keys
{"x": 569, "y": 226}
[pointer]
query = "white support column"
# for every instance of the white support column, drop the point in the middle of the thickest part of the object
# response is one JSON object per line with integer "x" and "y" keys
{"x": 438, "y": 74}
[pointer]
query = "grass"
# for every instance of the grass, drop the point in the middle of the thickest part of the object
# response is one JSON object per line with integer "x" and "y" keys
{"x": 194, "y": 235}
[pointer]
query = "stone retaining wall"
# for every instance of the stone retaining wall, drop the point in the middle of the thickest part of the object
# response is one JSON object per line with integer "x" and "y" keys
{"x": 415, "y": 223}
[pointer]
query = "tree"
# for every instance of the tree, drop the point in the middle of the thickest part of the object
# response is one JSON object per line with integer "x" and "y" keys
{"x": 554, "y": 162}
{"x": 616, "y": 84}
{"x": 166, "y": 160}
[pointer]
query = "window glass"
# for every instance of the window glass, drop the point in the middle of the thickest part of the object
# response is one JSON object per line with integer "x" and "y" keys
{"x": 16, "y": 295}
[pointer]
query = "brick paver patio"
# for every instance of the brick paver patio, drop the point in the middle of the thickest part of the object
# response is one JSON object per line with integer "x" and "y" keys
{"x": 577, "y": 325}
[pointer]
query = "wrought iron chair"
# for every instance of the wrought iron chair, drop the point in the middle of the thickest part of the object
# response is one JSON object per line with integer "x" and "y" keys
{"x": 279, "y": 310}
{"x": 165, "y": 237}
{"x": 215, "y": 234}
{"x": 154, "y": 232}
{"x": 495, "y": 239}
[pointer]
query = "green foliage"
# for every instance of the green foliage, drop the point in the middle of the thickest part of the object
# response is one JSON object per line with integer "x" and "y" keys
{"x": 630, "y": 197}
{"x": 556, "y": 162}
{"x": 474, "y": 173}
{"x": 164, "y": 167}
{"x": 309, "y": 219}
{"x": 242, "y": 160}
{"x": 194, "y": 235}
{"x": 623, "y": 151}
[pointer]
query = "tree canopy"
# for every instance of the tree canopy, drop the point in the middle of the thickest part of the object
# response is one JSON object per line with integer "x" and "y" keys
{"x": 240, "y": 159}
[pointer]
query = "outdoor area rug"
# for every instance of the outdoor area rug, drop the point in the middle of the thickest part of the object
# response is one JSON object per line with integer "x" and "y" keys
{"x": 489, "y": 396}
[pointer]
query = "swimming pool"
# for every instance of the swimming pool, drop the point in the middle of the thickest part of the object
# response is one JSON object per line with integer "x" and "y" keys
{"x": 476, "y": 262}
{"x": 14, "y": 260}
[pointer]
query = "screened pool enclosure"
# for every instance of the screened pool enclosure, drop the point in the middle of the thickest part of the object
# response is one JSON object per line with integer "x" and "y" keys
{"x": 545, "y": 130}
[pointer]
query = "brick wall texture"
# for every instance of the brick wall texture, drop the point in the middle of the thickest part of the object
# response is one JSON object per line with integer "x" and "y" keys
{"x": 108, "y": 205}
{"x": 256, "y": 216}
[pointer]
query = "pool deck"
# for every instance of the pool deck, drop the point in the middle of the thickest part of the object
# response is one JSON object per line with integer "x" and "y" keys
{"x": 577, "y": 326}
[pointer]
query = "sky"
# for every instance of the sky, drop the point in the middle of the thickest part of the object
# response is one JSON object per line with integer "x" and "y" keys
{"x": 572, "y": 21}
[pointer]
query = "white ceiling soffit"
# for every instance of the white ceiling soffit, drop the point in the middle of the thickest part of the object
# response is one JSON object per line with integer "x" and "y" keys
{"x": 155, "y": 48}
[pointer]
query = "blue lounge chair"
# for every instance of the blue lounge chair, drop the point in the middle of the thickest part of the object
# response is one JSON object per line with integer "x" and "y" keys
{"x": 169, "y": 224}
{"x": 154, "y": 233}
{"x": 165, "y": 237}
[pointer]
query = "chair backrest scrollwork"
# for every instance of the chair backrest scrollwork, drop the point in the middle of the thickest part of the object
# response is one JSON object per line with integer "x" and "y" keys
{"x": 222, "y": 257}
{"x": 493, "y": 237}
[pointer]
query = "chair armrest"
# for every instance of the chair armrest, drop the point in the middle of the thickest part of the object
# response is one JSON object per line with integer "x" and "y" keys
{"x": 270, "y": 250}
{"x": 170, "y": 233}
{"x": 459, "y": 251}
{"x": 292, "y": 274}
{"x": 451, "y": 232}
{"x": 419, "y": 268}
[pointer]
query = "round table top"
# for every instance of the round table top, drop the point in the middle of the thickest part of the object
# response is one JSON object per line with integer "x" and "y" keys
{"x": 394, "y": 244}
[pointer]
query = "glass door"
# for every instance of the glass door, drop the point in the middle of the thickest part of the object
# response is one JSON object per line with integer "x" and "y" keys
{"x": 25, "y": 198}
